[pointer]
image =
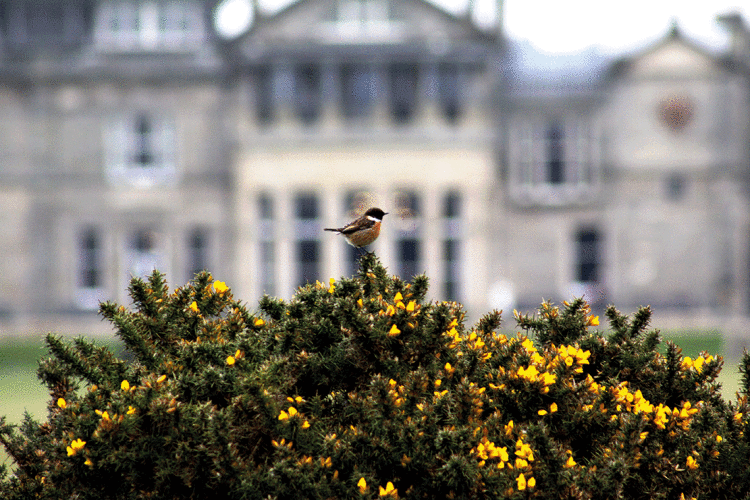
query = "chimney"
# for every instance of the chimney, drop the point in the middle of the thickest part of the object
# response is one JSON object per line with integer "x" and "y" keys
{"x": 739, "y": 36}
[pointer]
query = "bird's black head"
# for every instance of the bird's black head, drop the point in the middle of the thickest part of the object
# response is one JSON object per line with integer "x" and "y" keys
{"x": 376, "y": 213}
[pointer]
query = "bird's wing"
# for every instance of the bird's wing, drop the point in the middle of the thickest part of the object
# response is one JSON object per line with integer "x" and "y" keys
{"x": 357, "y": 225}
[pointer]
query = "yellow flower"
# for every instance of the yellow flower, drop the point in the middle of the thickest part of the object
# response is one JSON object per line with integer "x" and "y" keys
{"x": 542, "y": 412}
{"x": 394, "y": 331}
{"x": 553, "y": 408}
{"x": 362, "y": 485}
{"x": 75, "y": 446}
{"x": 131, "y": 410}
{"x": 283, "y": 415}
{"x": 521, "y": 482}
{"x": 548, "y": 378}
{"x": 61, "y": 403}
{"x": 389, "y": 490}
{"x": 360, "y": 304}
{"x": 332, "y": 287}
{"x": 592, "y": 321}
{"x": 125, "y": 385}
{"x": 719, "y": 439}
{"x": 398, "y": 297}
{"x": 220, "y": 287}
{"x": 411, "y": 305}
{"x": 161, "y": 379}
{"x": 292, "y": 411}
{"x": 449, "y": 368}
{"x": 259, "y": 322}
{"x": 230, "y": 360}
{"x": 194, "y": 306}
{"x": 305, "y": 424}
{"x": 570, "y": 463}
{"x": 531, "y": 482}
{"x": 89, "y": 462}
{"x": 691, "y": 463}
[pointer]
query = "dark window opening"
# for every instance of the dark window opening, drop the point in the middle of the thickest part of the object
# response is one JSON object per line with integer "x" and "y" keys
{"x": 555, "y": 154}
{"x": 89, "y": 259}
{"x": 408, "y": 257}
{"x": 587, "y": 256}
{"x": 265, "y": 206}
{"x": 308, "y": 93}
{"x": 144, "y": 154}
{"x": 409, "y": 204}
{"x": 449, "y": 92}
{"x": 451, "y": 259}
{"x": 308, "y": 261}
{"x": 268, "y": 264}
{"x": 264, "y": 95}
{"x": 198, "y": 251}
{"x": 452, "y": 205}
{"x": 357, "y": 90}
{"x": 306, "y": 206}
{"x": 403, "y": 91}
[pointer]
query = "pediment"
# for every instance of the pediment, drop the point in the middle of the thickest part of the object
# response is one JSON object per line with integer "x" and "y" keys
{"x": 673, "y": 56}
{"x": 327, "y": 24}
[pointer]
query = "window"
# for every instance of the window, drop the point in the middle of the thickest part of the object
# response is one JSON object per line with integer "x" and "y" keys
{"x": 363, "y": 12}
{"x": 587, "y": 256}
{"x": 555, "y": 153}
{"x": 89, "y": 259}
{"x": 452, "y": 205}
{"x": 409, "y": 204}
{"x": 173, "y": 25}
{"x": 308, "y": 231}
{"x": 306, "y": 206}
{"x": 403, "y": 79}
{"x": 143, "y": 151}
{"x": 553, "y": 160}
{"x": 264, "y": 94}
{"x": 90, "y": 288}
{"x": 49, "y": 24}
{"x": 452, "y": 245}
{"x": 267, "y": 234}
{"x": 308, "y": 259}
{"x": 267, "y": 267}
{"x": 265, "y": 207}
{"x": 143, "y": 253}
{"x": 451, "y": 271}
{"x": 45, "y": 22}
{"x": 408, "y": 240}
{"x": 308, "y": 93}
{"x": 198, "y": 251}
{"x": 449, "y": 91}
{"x": 358, "y": 89}
{"x": 676, "y": 187}
{"x": 140, "y": 151}
{"x": 408, "y": 251}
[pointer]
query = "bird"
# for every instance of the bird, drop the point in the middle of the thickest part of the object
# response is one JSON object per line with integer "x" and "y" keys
{"x": 362, "y": 231}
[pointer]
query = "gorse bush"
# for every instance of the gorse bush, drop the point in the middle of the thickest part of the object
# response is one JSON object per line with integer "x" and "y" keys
{"x": 363, "y": 389}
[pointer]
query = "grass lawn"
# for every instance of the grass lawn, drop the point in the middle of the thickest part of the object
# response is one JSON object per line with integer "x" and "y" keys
{"x": 20, "y": 389}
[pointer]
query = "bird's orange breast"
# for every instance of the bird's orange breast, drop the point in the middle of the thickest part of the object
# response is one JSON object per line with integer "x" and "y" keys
{"x": 364, "y": 237}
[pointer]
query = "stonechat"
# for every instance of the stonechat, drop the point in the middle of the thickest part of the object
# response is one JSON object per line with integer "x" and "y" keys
{"x": 364, "y": 230}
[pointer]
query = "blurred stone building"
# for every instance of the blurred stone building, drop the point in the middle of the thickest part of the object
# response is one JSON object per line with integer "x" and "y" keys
{"x": 133, "y": 136}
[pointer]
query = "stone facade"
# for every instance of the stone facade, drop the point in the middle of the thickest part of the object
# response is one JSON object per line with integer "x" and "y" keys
{"x": 132, "y": 136}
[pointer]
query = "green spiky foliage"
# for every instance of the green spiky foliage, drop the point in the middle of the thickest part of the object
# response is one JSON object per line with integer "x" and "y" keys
{"x": 361, "y": 388}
